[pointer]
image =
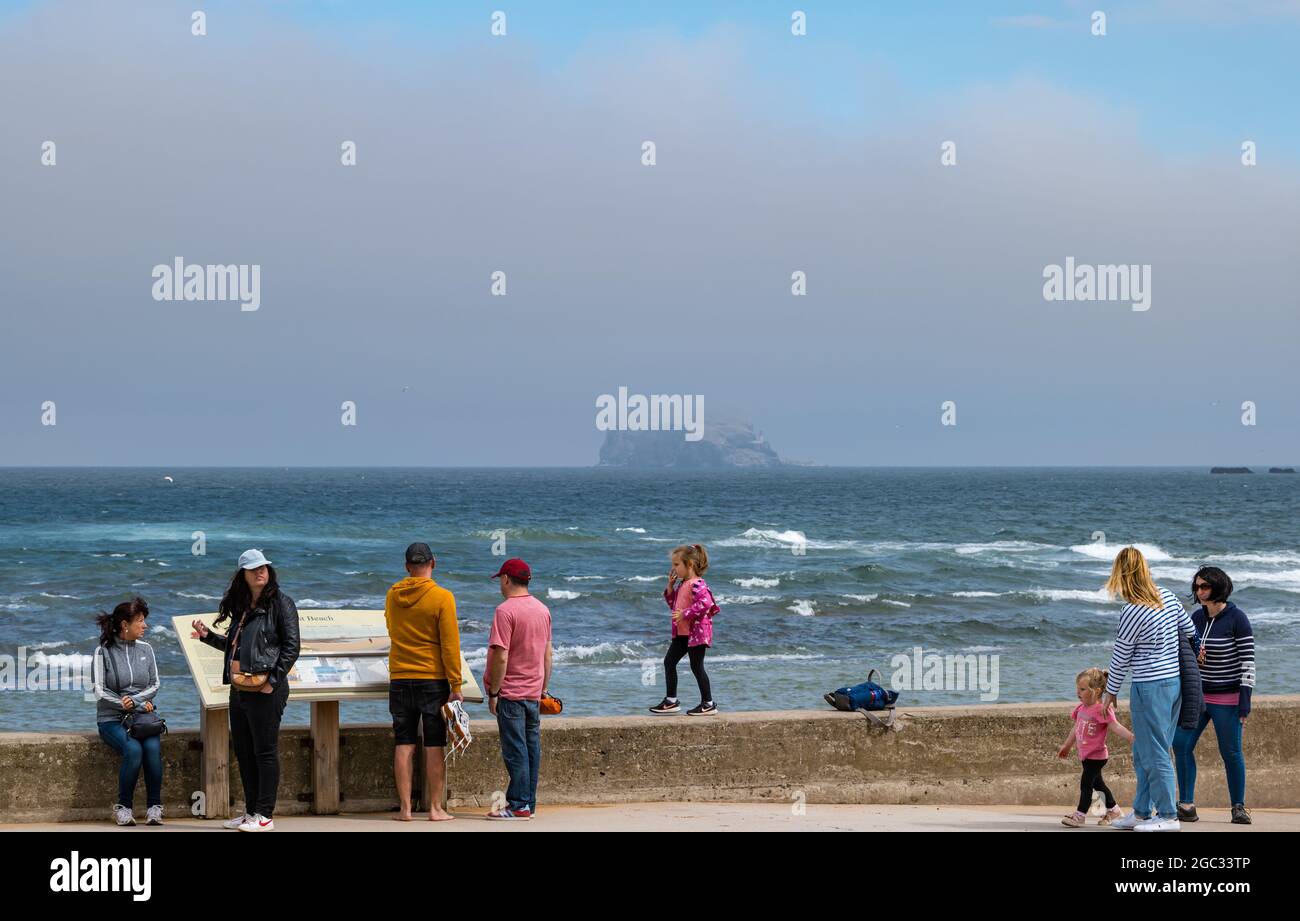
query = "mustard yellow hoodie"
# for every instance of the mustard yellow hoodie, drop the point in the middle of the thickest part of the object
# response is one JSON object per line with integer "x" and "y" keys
{"x": 421, "y": 618}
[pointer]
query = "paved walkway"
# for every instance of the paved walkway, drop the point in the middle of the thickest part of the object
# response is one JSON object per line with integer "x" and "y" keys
{"x": 719, "y": 817}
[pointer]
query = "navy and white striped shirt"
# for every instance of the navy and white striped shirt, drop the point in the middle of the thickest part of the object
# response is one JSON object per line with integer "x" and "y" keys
{"x": 1147, "y": 642}
{"x": 1229, "y": 652}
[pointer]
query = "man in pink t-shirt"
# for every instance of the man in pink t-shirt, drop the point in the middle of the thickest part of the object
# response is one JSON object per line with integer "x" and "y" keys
{"x": 517, "y": 674}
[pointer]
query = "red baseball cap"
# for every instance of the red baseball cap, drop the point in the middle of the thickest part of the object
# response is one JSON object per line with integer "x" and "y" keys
{"x": 515, "y": 568}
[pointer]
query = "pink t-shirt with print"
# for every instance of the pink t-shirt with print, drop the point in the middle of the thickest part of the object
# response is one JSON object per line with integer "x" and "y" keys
{"x": 1090, "y": 727}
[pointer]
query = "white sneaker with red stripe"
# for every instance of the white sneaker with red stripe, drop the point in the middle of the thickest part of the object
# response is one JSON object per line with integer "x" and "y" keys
{"x": 511, "y": 815}
{"x": 258, "y": 823}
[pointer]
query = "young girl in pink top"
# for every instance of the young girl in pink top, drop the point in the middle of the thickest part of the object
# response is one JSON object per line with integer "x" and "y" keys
{"x": 1089, "y": 733}
{"x": 692, "y": 607}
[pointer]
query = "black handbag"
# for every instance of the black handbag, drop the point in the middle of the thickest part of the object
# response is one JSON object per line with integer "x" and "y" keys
{"x": 138, "y": 724}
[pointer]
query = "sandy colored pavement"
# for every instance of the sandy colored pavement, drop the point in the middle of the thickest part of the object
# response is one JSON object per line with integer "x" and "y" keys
{"x": 713, "y": 817}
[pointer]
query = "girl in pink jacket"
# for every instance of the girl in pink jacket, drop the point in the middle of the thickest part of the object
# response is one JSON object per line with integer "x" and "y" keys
{"x": 693, "y": 608}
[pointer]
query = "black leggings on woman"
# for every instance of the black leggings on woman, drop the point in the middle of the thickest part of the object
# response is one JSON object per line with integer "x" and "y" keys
{"x": 678, "y": 648}
{"x": 1091, "y": 780}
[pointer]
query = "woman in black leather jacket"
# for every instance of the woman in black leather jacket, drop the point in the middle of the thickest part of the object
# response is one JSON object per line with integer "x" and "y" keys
{"x": 260, "y": 649}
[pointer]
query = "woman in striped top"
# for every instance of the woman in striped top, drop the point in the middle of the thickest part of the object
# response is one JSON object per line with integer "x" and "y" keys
{"x": 1227, "y": 661}
{"x": 1146, "y": 649}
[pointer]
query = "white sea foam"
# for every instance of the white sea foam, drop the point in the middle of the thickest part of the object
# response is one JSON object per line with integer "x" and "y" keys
{"x": 1003, "y": 546}
{"x": 901, "y": 604}
{"x": 365, "y": 601}
{"x": 861, "y": 598}
{"x": 633, "y": 530}
{"x": 802, "y": 608}
{"x": 55, "y": 595}
{"x": 771, "y": 538}
{"x": 1099, "y": 551}
{"x": 979, "y": 594}
{"x": 583, "y": 578}
{"x": 646, "y": 579}
{"x": 560, "y": 594}
{"x": 746, "y": 599}
{"x": 757, "y": 582}
{"x": 199, "y": 596}
{"x": 1097, "y": 596}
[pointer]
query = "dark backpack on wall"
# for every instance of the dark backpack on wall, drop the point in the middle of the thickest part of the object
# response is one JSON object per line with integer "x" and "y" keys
{"x": 867, "y": 697}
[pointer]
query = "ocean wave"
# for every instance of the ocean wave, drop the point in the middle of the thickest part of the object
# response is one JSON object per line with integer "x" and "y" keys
{"x": 802, "y": 608}
{"x": 633, "y": 530}
{"x": 583, "y": 578}
{"x": 979, "y": 594}
{"x": 199, "y": 596}
{"x": 663, "y": 579}
{"x": 1275, "y": 617}
{"x": 560, "y": 594}
{"x": 1276, "y": 557}
{"x": 1286, "y": 580}
{"x": 1003, "y": 546}
{"x": 368, "y": 602}
{"x": 1096, "y": 596}
{"x": 55, "y": 595}
{"x": 757, "y": 582}
{"x": 861, "y": 598}
{"x": 1108, "y": 552}
{"x": 900, "y": 604}
{"x": 769, "y": 538}
{"x": 746, "y": 599}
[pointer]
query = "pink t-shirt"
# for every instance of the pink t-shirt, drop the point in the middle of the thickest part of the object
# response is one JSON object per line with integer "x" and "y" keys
{"x": 522, "y": 626}
{"x": 1090, "y": 727}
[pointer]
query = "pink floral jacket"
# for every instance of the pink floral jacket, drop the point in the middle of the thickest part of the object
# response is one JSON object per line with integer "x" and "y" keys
{"x": 698, "y": 614}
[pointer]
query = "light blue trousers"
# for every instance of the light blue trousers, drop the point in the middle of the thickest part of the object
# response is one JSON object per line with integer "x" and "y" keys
{"x": 1154, "y": 706}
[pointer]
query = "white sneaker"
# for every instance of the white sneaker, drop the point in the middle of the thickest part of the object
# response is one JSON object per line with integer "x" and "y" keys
{"x": 154, "y": 816}
{"x": 237, "y": 821}
{"x": 122, "y": 816}
{"x": 1159, "y": 823}
{"x": 258, "y": 823}
{"x": 1129, "y": 822}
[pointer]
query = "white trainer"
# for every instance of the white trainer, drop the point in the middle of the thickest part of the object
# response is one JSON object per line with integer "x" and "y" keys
{"x": 154, "y": 816}
{"x": 1159, "y": 823}
{"x": 1129, "y": 822}
{"x": 237, "y": 821}
{"x": 122, "y": 816}
{"x": 258, "y": 823}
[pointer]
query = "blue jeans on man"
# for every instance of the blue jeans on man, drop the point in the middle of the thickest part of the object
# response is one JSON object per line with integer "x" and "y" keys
{"x": 520, "y": 725}
{"x": 1227, "y": 727}
{"x": 1154, "y": 707}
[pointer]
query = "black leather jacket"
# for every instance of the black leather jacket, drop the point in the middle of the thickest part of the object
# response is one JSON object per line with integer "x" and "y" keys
{"x": 269, "y": 643}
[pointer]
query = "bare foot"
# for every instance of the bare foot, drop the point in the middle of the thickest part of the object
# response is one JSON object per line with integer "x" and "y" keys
{"x": 402, "y": 816}
{"x": 437, "y": 815}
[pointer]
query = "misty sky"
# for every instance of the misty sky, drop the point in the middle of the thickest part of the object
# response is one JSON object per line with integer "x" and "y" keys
{"x": 523, "y": 154}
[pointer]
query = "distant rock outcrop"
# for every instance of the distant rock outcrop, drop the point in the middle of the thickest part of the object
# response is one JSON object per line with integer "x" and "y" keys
{"x": 725, "y": 444}
{"x": 1281, "y": 470}
{"x": 1231, "y": 470}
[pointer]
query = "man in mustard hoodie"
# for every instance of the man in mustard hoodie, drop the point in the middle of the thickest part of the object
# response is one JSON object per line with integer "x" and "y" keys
{"x": 424, "y": 673}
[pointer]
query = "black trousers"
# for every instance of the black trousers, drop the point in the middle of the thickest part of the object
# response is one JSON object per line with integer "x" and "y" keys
{"x": 255, "y": 736}
{"x": 678, "y": 648}
{"x": 1091, "y": 780}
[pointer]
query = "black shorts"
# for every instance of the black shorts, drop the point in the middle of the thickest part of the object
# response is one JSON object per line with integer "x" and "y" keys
{"x": 413, "y": 699}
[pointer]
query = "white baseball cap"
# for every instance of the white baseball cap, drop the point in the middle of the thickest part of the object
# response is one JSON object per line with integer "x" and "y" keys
{"x": 251, "y": 559}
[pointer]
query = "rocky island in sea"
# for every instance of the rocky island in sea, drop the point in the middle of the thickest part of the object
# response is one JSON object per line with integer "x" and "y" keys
{"x": 725, "y": 444}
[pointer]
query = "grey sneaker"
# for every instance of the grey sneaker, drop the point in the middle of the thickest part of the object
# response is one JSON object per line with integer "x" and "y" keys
{"x": 122, "y": 815}
{"x": 154, "y": 816}
{"x": 1187, "y": 813}
{"x": 236, "y": 821}
{"x": 1128, "y": 822}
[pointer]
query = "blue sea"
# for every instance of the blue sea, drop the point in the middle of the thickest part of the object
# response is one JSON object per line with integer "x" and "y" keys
{"x": 821, "y": 574}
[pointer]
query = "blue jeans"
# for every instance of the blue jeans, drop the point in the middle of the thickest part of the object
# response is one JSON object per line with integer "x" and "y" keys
{"x": 1154, "y": 707}
{"x": 520, "y": 725}
{"x": 1227, "y": 727}
{"x": 135, "y": 753}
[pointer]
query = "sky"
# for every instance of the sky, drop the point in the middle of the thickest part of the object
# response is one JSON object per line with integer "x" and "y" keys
{"x": 522, "y": 153}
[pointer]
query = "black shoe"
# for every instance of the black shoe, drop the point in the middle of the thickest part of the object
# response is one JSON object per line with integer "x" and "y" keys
{"x": 1187, "y": 814}
{"x": 703, "y": 710}
{"x": 667, "y": 706}
{"x": 1240, "y": 814}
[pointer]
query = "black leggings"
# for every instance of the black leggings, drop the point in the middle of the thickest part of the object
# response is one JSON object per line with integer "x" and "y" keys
{"x": 678, "y": 648}
{"x": 1091, "y": 780}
